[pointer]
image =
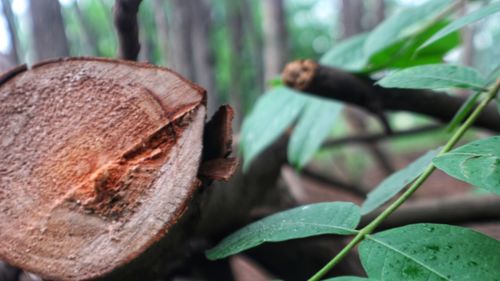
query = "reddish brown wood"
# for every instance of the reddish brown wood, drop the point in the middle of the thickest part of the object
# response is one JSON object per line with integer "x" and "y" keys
{"x": 99, "y": 161}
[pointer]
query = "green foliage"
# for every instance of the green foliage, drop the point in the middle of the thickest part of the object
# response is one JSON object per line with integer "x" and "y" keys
{"x": 305, "y": 221}
{"x": 314, "y": 126}
{"x": 351, "y": 56}
{"x": 396, "y": 182}
{"x": 435, "y": 76}
{"x": 430, "y": 252}
{"x": 463, "y": 21}
{"x": 476, "y": 163}
{"x": 276, "y": 111}
{"x": 348, "y": 54}
{"x": 402, "y": 54}
{"x": 272, "y": 115}
{"x": 399, "y": 25}
{"x": 414, "y": 252}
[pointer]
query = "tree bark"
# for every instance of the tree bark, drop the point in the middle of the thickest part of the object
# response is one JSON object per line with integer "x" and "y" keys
{"x": 319, "y": 80}
{"x": 49, "y": 38}
{"x": 11, "y": 26}
{"x": 275, "y": 38}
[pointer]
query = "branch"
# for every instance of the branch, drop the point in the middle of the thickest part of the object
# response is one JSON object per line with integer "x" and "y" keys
{"x": 125, "y": 18}
{"x": 369, "y": 138}
{"x": 324, "y": 81}
{"x": 333, "y": 182}
{"x": 457, "y": 209}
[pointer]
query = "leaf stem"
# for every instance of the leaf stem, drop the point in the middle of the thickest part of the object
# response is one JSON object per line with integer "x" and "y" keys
{"x": 491, "y": 94}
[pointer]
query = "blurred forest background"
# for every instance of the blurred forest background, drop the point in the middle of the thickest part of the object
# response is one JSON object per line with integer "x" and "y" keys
{"x": 236, "y": 50}
{"x": 232, "y": 48}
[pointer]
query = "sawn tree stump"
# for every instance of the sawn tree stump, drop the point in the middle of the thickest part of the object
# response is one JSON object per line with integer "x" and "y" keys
{"x": 100, "y": 159}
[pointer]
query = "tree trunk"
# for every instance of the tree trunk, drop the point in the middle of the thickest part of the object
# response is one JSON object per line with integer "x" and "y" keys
{"x": 180, "y": 56}
{"x": 256, "y": 45}
{"x": 236, "y": 31}
{"x": 146, "y": 52}
{"x": 275, "y": 38}
{"x": 11, "y": 27}
{"x": 89, "y": 36}
{"x": 378, "y": 15}
{"x": 352, "y": 17}
{"x": 125, "y": 19}
{"x": 162, "y": 29}
{"x": 48, "y": 33}
{"x": 203, "y": 56}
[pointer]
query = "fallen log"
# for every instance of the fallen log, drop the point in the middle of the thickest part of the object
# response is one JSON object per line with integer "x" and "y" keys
{"x": 101, "y": 162}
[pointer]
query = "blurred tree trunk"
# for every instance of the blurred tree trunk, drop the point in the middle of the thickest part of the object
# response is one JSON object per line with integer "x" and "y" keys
{"x": 89, "y": 36}
{"x": 352, "y": 17}
{"x": 203, "y": 55}
{"x": 378, "y": 14}
{"x": 255, "y": 39}
{"x": 11, "y": 27}
{"x": 146, "y": 52}
{"x": 275, "y": 38}
{"x": 48, "y": 29}
{"x": 236, "y": 34}
{"x": 467, "y": 34}
{"x": 180, "y": 56}
{"x": 467, "y": 49}
{"x": 162, "y": 29}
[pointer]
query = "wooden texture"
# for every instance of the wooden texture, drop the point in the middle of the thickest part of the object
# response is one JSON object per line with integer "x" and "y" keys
{"x": 100, "y": 160}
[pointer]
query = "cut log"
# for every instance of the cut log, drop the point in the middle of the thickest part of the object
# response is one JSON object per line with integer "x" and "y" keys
{"x": 100, "y": 159}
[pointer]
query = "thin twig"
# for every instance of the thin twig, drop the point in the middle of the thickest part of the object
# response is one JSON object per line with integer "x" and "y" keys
{"x": 333, "y": 182}
{"x": 370, "y": 138}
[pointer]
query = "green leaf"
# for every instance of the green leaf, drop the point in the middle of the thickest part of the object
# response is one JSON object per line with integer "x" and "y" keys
{"x": 347, "y": 54}
{"x": 477, "y": 163}
{"x": 435, "y": 76}
{"x": 350, "y": 278}
{"x": 274, "y": 112}
{"x": 463, "y": 112}
{"x": 463, "y": 21}
{"x": 427, "y": 252}
{"x": 400, "y": 25}
{"x": 396, "y": 182}
{"x": 309, "y": 220}
{"x": 314, "y": 126}
{"x": 402, "y": 53}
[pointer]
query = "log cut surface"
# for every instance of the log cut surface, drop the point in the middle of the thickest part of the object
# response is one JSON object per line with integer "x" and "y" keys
{"x": 99, "y": 159}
